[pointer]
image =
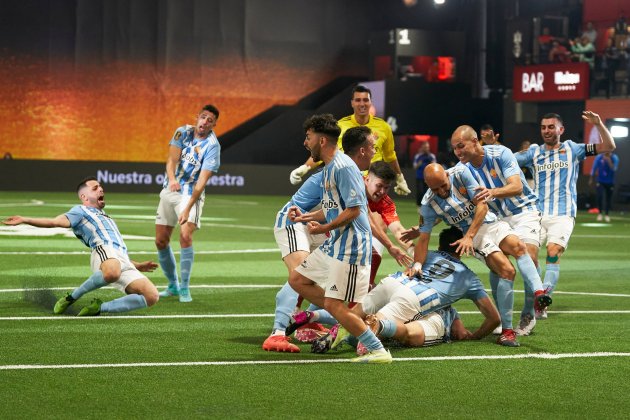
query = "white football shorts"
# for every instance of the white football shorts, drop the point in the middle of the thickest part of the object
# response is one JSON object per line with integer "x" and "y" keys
{"x": 295, "y": 237}
{"x": 129, "y": 272}
{"x": 340, "y": 280}
{"x": 556, "y": 229}
{"x": 171, "y": 205}
{"x": 526, "y": 225}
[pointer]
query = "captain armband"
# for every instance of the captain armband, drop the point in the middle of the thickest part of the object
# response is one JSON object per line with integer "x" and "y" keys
{"x": 591, "y": 150}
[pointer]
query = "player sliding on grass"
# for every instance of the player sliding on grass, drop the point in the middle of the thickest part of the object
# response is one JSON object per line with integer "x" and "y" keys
{"x": 110, "y": 262}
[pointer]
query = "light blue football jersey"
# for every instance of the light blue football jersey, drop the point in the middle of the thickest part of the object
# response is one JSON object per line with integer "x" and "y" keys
{"x": 197, "y": 155}
{"x": 445, "y": 280}
{"x": 457, "y": 209}
{"x": 498, "y": 165}
{"x": 555, "y": 174}
{"x": 343, "y": 188}
{"x": 306, "y": 198}
{"x": 95, "y": 228}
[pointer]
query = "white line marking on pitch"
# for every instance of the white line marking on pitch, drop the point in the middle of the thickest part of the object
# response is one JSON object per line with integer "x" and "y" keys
{"x": 197, "y": 286}
{"x": 220, "y": 316}
{"x": 548, "y": 356}
{"x": 226, "y": 251}
{"x": 271, "y": 286}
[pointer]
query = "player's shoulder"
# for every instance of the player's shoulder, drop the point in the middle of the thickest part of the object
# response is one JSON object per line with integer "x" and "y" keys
{"x": 183, "y": 132}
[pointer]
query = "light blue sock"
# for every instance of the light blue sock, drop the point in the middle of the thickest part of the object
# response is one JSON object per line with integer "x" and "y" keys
{"x": 166, "y": 258}
{"x": 95, "y": 281}
{"x": 494, "y": 283}
{"x": 324, "y": 317}
{"x": 370, "y": 341}
{"x": 539, "y": 269}
{"x": 125, "y": 304}
{"x": 528, "y": 306}
{"x": 313, "y": 308}
{"x": 388, "y": 328}
{"x": 185, "y": 263}
{"x": 505, "y": 302}
{"x": 528, "y": 272}
{"x": 552, "y": 274}
{"x": 286, "y": 299}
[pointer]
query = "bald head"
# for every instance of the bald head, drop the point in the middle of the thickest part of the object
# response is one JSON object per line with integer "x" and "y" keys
{"x": 433, "y": 172}
{"x": 465, "y": 145}
{"x": 436, "y": 179}
{"x": 464, "y": 132}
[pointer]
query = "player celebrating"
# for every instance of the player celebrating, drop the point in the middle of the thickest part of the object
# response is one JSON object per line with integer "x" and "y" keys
{"x": 110, "y": 262}
{"x": 361, "y": 103}
{"x": 338, "y": 271}
{"x": 504, "y": 188}
{"x": 556, "y": 166}
{"x": 194, "y": 155}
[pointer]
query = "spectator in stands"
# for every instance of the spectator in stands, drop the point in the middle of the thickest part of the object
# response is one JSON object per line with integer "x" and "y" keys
{"x": 603, "y": 175}
{"x": 558, "y": 53}
{"x": 420, "y": 161}
{"x": 544, "y": 45}
{"x": 583, "y": 51}
{"x": 610, "y": 63}
{"x": 590, "y": 32}
{"x": 621, "y": 33}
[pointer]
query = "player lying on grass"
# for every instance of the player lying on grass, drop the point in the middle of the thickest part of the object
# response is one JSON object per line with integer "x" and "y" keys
{"x": 110, "y": 262}
{"x": 416, "y": 310}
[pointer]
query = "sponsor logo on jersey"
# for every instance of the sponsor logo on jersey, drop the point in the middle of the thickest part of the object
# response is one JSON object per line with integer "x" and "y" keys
{"x": 468, "y": 211}
{"x": 329, "y": 204}
{"x": 552, "y": 166}
{"x": 190, "y": 158}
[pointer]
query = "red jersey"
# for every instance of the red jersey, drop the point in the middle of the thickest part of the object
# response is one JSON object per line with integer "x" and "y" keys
{"x": 386, "y": 208}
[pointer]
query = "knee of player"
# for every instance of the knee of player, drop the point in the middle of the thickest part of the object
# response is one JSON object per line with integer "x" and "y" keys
{"x": 111, "y": 275}
{"x": 162, "y": 242}
{"x": 507, "y": 272}
{"x": 152, "y": 297}
{"x": 520, "y": 249}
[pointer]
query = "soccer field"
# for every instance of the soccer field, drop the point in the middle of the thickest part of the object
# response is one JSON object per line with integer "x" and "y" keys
{"x": 204, "y": 358}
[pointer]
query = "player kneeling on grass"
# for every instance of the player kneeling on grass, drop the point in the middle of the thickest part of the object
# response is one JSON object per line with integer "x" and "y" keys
{"x": 400, "y": 300}
{"x": 110, "y": 262}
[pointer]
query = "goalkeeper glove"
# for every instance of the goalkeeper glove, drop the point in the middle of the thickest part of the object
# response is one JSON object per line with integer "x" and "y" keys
{"x": 401, "y": 187}
{"x": 297, "y": 174}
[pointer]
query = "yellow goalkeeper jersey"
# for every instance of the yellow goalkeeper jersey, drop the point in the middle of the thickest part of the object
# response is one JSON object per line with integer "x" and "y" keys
{"x": 384, "y": 144}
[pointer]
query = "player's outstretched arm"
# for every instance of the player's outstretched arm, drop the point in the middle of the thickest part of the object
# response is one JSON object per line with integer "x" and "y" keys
{"x": 608, "y": 142}
{"x": 59, "y": 221}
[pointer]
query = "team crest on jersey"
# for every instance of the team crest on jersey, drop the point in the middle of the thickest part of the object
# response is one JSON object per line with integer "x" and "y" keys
{"x": 462, "y": 190}
{"x": 562, "y": 151}
{"x": 197, "y": 150}
{"x": 493, "y": 173}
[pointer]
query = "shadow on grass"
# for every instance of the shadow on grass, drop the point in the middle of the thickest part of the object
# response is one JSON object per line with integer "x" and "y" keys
{"x": 44, "y": 298}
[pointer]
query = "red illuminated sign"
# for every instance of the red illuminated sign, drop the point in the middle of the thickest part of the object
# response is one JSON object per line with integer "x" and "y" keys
{"x": 551, "y": 82}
